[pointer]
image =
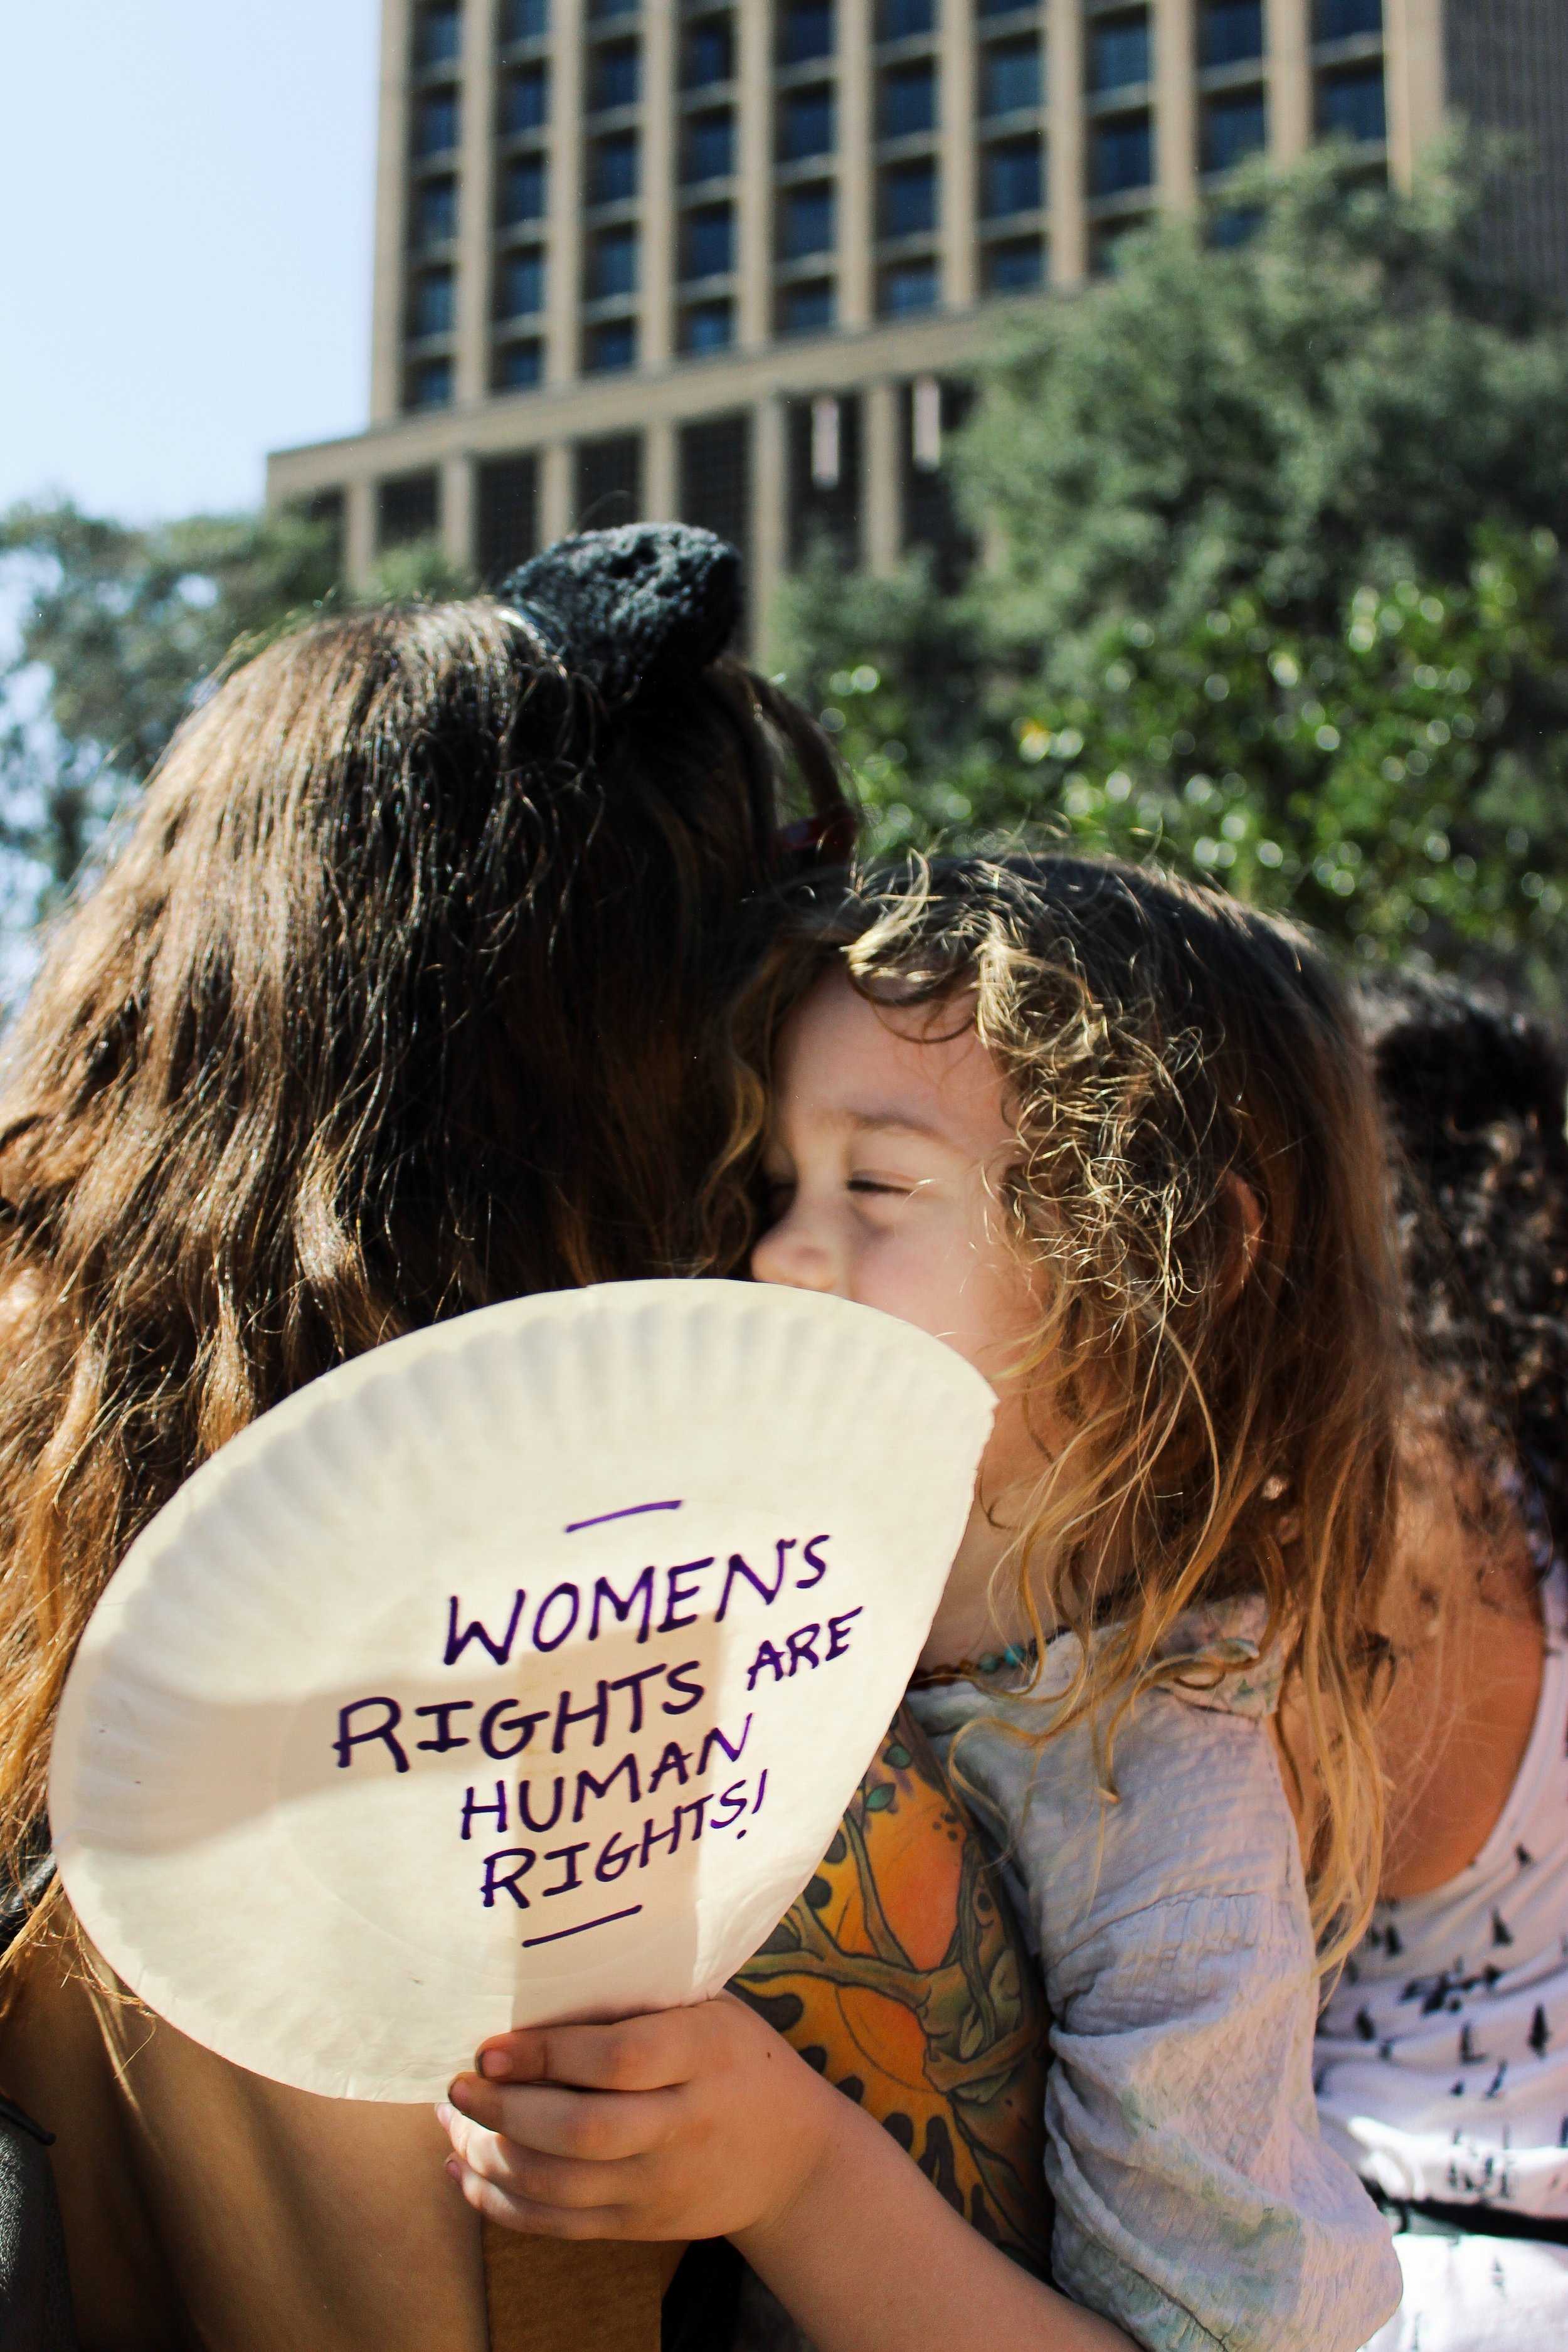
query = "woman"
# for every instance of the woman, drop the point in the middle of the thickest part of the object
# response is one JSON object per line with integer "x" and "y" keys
{"x": 1443, "y": 2057}
{"x": 400, "y": 997}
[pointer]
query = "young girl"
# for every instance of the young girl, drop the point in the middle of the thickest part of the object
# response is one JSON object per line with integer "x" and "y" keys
{"x": 1113, "y": 1140}
{"x": 1443, "y": 2053}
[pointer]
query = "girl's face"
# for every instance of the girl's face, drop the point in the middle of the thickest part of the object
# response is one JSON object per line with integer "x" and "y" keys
{"x": 888, "y": 1139}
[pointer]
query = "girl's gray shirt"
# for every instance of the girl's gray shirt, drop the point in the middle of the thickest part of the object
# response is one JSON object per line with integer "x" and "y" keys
{"x": 1197, "y": 2204}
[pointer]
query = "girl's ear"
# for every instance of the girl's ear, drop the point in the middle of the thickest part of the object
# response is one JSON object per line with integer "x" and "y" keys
{"x": 1246, "y": 1220}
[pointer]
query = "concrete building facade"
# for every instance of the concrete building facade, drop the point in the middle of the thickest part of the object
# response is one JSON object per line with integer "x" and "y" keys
{"x": 727, "y": 259}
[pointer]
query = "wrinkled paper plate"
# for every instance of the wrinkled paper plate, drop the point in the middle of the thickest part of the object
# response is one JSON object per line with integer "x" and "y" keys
{"x": 520, "y": 1670}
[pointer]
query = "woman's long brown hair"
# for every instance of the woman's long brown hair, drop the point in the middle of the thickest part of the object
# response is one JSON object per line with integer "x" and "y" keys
{"x": 399, "y": 999}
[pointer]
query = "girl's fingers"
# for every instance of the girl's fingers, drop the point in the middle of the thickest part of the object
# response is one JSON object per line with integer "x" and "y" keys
{"x": 640, "y": 2054}
{"x": 535, "y": 2221}
{"x": 597, "y": 2125}
{"x": 560, "y": 2181}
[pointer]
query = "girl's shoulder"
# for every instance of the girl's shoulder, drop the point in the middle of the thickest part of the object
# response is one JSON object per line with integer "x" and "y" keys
{"x": 1214, "y": 1660}
{"x": 1180, "y": 1798}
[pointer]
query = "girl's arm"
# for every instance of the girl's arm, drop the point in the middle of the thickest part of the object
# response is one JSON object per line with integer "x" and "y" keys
{"x": 1196, "y": 2201}
{"x": 951, "y": 2057}
{"x": 701, "y": 2123}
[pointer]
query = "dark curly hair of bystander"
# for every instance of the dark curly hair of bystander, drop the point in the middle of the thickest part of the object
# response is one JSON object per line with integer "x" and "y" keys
{"x": 1476, "y": 1093}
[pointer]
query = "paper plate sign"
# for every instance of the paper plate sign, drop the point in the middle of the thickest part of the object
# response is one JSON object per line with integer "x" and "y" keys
{"x": 518, "y": 1671}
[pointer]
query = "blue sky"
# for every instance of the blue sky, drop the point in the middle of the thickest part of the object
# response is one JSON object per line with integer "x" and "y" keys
{"x": 187, "y": 186}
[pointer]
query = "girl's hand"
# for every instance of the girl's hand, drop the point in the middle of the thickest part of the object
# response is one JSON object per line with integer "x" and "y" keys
{"x": 702, "y": 2122}
{"x": 693, "y": 2123}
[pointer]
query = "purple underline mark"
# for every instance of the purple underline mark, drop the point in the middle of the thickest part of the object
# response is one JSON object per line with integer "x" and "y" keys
{"x": 633, "y": 1511}
{"x": 528, "y": 1941}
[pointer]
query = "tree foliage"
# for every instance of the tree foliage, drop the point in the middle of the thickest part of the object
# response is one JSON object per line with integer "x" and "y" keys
{"x": 121, "y": 627}
{"x": 1346, "y": 394}
{"x": 118, "y": 627}
{"x": 1276, "y": 586}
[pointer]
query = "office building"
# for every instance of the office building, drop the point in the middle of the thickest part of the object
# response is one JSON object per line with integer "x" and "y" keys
{"x": 729, "y": 262}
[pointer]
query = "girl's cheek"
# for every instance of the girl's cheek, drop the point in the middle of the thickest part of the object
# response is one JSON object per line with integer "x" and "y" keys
{"x": 879, "y": 1280}
{"x": 907, "y": 1291}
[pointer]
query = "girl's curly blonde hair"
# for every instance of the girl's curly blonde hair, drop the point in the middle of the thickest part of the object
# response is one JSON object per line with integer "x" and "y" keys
{"x": 1200, "y": 1181}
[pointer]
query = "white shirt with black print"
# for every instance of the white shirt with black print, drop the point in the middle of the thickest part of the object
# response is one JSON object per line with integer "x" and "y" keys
{"x": 1442, "y": 2055}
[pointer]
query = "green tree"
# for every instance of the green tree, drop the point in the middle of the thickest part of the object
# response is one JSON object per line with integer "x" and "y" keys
{"x": 1345, "y": 395}
{"x": 906, "y": 677}
{"x": 1382, "y": 780}
{"x": 1275, "y": 584}
{"x": 421, "y": 568}
{"x": 120, "y": 627}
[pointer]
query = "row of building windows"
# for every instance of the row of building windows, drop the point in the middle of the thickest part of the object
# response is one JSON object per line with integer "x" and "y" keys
{"x": 1012, "y": 80}
{"x": 1228, "y": 31}
{"x": 806, "y": 306}
{"x": 1234, "y": 125}
{"x": 825, "y": 455}
{"x": 1010, "y": 163}
{"x": 707, "y": 323}
{"x": 1119, "y": 58}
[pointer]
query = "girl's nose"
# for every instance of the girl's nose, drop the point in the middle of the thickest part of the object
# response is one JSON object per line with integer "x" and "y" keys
{"x": 793, "y": 1256}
